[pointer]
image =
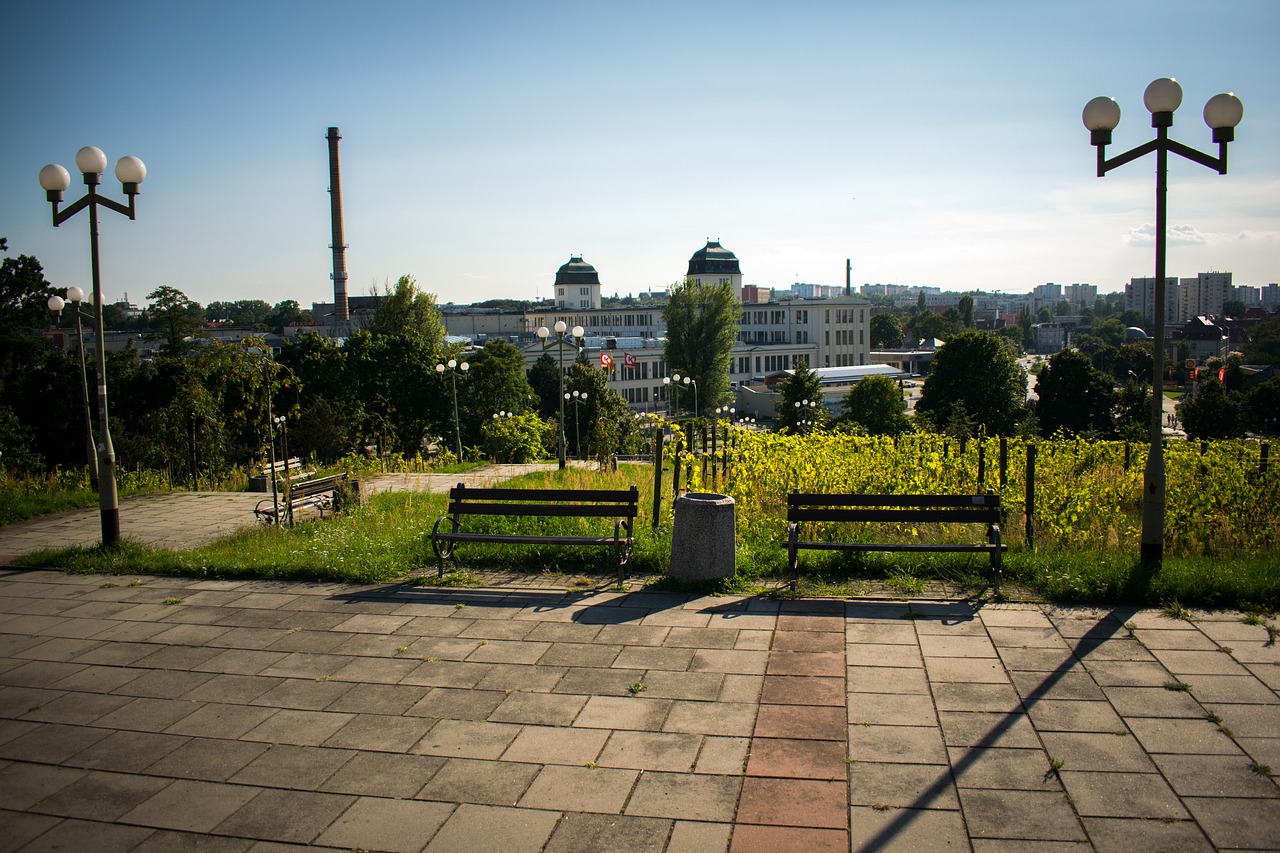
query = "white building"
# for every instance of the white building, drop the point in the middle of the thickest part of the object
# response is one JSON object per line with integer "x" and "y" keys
{"x": 577, "y": 285}
{"x": 1203, "y": 295}
{"x": 1078, "y": 293}
{"x": 1140, "y": 296}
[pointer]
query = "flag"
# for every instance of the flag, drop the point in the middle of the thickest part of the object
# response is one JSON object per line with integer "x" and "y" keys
{"x": 606, "y": 360}
{"x": 628, "y": 360}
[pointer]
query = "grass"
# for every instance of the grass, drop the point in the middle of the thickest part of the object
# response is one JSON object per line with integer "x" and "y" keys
{"x": 385, "y": 540}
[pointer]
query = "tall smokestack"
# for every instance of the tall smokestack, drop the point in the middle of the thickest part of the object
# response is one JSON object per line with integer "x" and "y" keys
{"x": 339, "y": 247}
{"x": 848, "y": 276}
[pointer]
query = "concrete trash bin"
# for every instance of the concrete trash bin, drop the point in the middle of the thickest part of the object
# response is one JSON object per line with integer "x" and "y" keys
{"x": 702, "y": 538}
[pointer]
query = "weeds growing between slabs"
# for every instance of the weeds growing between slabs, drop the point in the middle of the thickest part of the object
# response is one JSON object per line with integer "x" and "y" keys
{"x": 386, "y": 540}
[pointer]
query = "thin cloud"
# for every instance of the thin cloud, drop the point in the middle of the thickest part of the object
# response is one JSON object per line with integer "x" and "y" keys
{"x": 1177, "y": 235}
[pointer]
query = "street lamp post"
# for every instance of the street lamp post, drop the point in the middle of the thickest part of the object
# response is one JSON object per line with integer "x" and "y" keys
{"x": 1101, "y": 115}
{"x": 689, "y": 380}
{"x": 674, "y": 382}
{"x": 543, "y": 334}
{"x": 454, "y": 369}
{"x": 577, "y": 398}
{"x": 282, "y": 424}
{"x": 56, "y": 303}
{"x": 54, "y": 180}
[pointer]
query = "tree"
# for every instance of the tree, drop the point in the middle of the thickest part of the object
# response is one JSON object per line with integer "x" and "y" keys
{"x": 1044, "y": 315}
{"x": 1262, "y": 407}
{"x": 409, "y": 311}
{"x": 285, "y": 313}
{"x": 965, "y": 307}
{"x": 1132, "y": 362}
{"x": 513, "y": 439}
{"x": 495, "y": 382}
{"x": 242, "y": 312}
{"x": 875, "y": 405}
{"x": 1074, "y": 396}
{"x": 544, "y": 379}
{"x": 977, "y": 369}
{"x": 886, "y": 331}
{"x": 1014, "y": 336}
{"x": 1233, "y": 308}
{"x": 801, "y": 387}
{"x": 1262, "y": 343}
{"x": 1212, "y": 412}
{"x": 24, "y": 293}
{"x": 175, "y": 317}
{"x": 702, "y": 326}
{"x": 1025, "y": 322}
{"x": 1110, "y": 331}
{"x": 605, "y": 421}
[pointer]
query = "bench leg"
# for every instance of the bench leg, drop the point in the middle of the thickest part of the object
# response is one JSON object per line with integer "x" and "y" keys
{"x": 793, "y": 553}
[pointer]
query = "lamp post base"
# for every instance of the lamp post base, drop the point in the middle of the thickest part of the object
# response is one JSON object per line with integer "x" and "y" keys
{"x": 1151, "y": 554}
{"x": 110, "y": 526}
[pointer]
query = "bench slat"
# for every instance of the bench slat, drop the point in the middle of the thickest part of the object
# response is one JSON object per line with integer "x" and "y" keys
{"x": 971, "y": 515}
{"x": 560, "y": 510}
{"x": 900, "y": 546}
{"x": 545, "y": 495}
{"x": 799, "y": 499}
{"x": 516, "y": 538}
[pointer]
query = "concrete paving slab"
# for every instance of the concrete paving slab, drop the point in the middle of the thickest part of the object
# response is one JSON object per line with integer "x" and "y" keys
{"x": 1047, "y": 728}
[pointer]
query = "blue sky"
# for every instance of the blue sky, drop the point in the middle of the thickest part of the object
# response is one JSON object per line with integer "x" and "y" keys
{"x": 934, "y": 143}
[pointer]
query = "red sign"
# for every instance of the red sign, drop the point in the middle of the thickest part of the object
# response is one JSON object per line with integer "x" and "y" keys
{"x": 606, "y": 360}
{"x": 628, "y": 360}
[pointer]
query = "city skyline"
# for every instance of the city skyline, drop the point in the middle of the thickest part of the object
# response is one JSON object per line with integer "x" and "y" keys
{"x": 934, "y": 144}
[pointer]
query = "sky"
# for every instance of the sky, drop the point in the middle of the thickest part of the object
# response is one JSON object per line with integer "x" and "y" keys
{"x": 931, "y": 142}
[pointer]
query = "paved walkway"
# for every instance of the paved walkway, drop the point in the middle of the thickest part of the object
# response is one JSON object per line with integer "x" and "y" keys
{"x": 191, "y": 519}
{"x": 148, "y": 713}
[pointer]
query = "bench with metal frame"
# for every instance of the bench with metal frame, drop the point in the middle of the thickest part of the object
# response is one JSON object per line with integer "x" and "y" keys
{"x": 316, "y": 492}
{"x": 621, "y": 505}
{"x": 807, "y": 507}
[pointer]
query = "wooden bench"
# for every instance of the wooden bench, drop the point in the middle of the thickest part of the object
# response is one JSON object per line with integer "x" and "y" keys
{"x": 261, "y": 482}
{"x": 621, "y": 505}
{"x": 804, "y": 508}
{"x": 316, "y": 492}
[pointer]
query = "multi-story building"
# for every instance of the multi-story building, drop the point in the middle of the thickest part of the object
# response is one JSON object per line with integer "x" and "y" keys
{"x": 1203, "y": 295}
{"x": 1140, "y": 296}
{"x": 1270, "y": 295}
{"x": 1251, "y": 297}
{"x": 1080, "y": 293}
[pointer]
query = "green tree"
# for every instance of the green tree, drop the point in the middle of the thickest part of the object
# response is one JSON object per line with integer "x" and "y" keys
{"x": 495, "y": 383}
{"x": 544, "y": 379}
{"x": 409, "y": 311}
{"x": 1132, "y": 362}
{"x": 1025, "y": 322}
{"x": 926, "y": 325}
{"x": 605, "y": 421}
{"x": 1233, "y": 308}
{"x": 514, "y": 439}
{"x": 1014, "y": 336}
{"x": 1212, "y": 412}
{"x": 886, "y": 331}
{"x": 1262, "y": 407}
{"x": 1262, "y": 343}
{"x": 1074, "y": 396}
{"x": 800, "y": 399}
{"x": 285, "y": 313}
{"x": 702, "y": 326}
{"x": 242, "y": 312}
{"x": 24, "y": 293}
{"x": 965, "y": 307}
{"x": 977, "y": 369}
{"x": 176, "y": 319}
{"x": 875, "y": 405}
{"x": 1110, "y": 331}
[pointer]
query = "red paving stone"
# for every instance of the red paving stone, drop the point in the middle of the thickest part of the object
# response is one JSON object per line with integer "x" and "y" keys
{"x": 785, "y": 839}
{"x": 794, "y": 802}
{"x": 803, "y": 690}
{"x": 802, "y": 721}
{"x": 830, "y": 664}
{"x": 798, "y": 759}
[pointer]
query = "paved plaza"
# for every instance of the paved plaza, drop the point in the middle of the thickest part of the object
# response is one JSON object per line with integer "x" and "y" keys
{"x": 160, "y": 713}
{"x": 156, "y": 713}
